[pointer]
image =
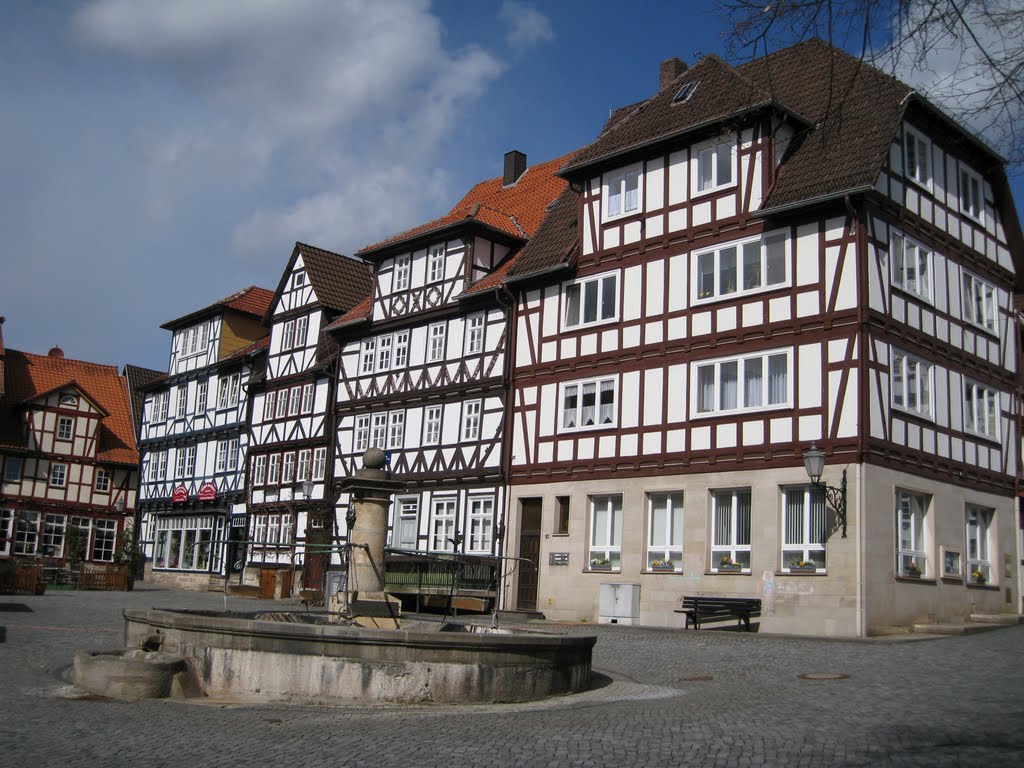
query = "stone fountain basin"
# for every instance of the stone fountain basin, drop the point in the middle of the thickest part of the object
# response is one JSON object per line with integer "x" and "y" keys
{"x": 247, "y": 658}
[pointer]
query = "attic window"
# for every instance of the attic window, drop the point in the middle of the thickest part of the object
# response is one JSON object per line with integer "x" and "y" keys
{"x": 68, "y": 398}
{"x": 685, "y": 92}
{"x": 298, "y": 279}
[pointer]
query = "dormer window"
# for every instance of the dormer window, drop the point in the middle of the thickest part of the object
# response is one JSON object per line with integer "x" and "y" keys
{"x": 622, "y": 192}
{"x": 298, "y": 279}
{"x": 68, "y": 398}
{"x": 684, "y": 93}
{"x": 402, "y": 272}
{"x": 715, "y": 165}
{"x": 972, "y": 200}
{"x": 435, "y": 264}
{"x": 65, "y": 427}
{"x": 917, "y": 152}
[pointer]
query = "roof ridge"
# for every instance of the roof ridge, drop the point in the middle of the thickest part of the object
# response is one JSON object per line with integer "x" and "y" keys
{"x": 65, "y": 360}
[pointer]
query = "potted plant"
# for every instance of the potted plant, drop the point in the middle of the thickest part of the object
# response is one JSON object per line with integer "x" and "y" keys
{"x": 802, "y": 566}
{"x": 662, "y": 565}
{"x": 126, "y": 556}
{"x": 913, "y": 570}
{"x": 600, "y": 564}
{"x": 728, "y": 564}
{"x": 977, "y": 577}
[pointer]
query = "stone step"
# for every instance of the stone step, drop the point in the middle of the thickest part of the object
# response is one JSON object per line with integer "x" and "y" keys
{"x": 997, "y": 618}
{"x": 216, "y": 584}
{"x": 954, "y": 628}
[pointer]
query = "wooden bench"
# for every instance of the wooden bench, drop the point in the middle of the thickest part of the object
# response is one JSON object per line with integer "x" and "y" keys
{"x": 699, "y": 609}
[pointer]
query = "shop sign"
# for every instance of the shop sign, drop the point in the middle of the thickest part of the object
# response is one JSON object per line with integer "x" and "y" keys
{"x": 207, "y": 491}
{"x": 179, "y": 495}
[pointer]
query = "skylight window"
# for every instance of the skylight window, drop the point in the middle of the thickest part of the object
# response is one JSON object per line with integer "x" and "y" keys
{"x": 684, "y": 93}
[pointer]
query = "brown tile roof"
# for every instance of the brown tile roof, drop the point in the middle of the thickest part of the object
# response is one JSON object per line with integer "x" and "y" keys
{"x": 252, "y": 301}
{"x": 340, "y": 282}
{"x": 517, "y": 210}
{"x": 29, "y": 376}
{"x": 361, "y": 311}
{"x": 555, "y": 241}
{"x": 721, "y": 92}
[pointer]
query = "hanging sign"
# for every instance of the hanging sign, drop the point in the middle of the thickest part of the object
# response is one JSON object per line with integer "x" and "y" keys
{"x": 179, "y": 495}
{"x": 207, "y": 491}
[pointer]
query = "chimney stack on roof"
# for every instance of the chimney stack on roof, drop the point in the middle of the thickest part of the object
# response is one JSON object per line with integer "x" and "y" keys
{"x": 515, "y": 166}
{"x": 55, "y": 352}
{"x": 670, "y": 70}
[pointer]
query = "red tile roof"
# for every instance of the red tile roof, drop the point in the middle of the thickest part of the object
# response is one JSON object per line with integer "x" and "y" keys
{"x": 516, "y": 210}
{"x": 361, "y": 311}
{"x": 340, "y": 282}
{"x": 30, "y": 376}
{"x": 252, "y": 301}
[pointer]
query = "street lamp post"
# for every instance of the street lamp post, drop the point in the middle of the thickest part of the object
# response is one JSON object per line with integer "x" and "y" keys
{"x": 814, "y": 463}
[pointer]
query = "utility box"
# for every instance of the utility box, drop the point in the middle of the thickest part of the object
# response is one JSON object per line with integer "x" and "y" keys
{"x": 619, "y": 604}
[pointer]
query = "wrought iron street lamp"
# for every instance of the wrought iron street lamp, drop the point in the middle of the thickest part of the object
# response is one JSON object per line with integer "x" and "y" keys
{"x": 814, "y": 463}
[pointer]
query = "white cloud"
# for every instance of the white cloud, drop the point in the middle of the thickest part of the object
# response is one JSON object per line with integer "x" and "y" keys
{"x": 526, "y": 25}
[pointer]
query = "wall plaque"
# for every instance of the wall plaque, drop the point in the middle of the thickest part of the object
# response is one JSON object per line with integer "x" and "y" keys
{"x": 558, "y": 558}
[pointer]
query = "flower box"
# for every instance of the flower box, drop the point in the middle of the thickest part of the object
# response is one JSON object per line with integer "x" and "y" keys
{"x": 600, "y": 566}
{"x": 730, "y": 568}
{"x": 668, "y": 568}
{"x": 803, "y": 569}
{"x": 911, "y": 574}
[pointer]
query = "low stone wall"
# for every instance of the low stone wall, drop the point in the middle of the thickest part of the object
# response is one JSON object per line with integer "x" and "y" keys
{"x": 242, "y": 657}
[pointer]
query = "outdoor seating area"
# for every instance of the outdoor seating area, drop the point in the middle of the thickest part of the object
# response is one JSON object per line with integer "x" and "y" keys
{"x": 701, "y": 609}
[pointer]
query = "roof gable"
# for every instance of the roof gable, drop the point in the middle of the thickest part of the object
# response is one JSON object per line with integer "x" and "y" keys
{"x": 252, "y": 301}
{"x": 338, "y": 282}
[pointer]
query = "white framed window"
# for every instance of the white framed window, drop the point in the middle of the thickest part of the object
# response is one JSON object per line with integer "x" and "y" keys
{"x": 396, "y": 429}
{"x": 471, "y": 420}
{"x": 591, "y": 300}
{"x": 979, "y": 302}
{"x": 288, "y": 468}
{"x": 442, "y": 525}
{"x": 307, "y": 398}
{"x": 979, "y": 560}
{"x": 972, "y": 195}
{"x": 475, "y": 334}
{"x": 282, "y": 403}
{"x": 715, "y": 165}
{"x": 179, "y": 463}
{"x": 259, "y": 470}
{"x": 295, "y": 401}
{"x": 911, "y": 556}
{"x": 362, "y": 433}
{"x": 605, "y": 550}
{"x": 6, "y": 530}
{"x": 232, "y": 454}
{"x": 53, "y": 534}
{"x": 804, "y": 529}
{"x": 182, "y": 402}
{"x": 911, "y": 266}
{"x": 201, "y": 389}
{"x": 623, "y": 192}
{"x": 401, "y": 349}
{"x": 588, "y": 404}
{"x": 26, "y": 533}
{"x": 102, "y": 483}
{"x": 911, "y": 384}
{"x": 403, "y": 532}
{"x": 436, "y": 346}
{"x": 104, "y": 540}
{"x": 730, "y": 530}
{"x": 435, "y": 264}
{"x": 402, "y": 272}
{"x": 384, "y": 353}
{"x": 288, "y": 335}
{"x": 981, "y": 409}
{"x": 432, "y": 425}
{"x": 298, "y": 279}
{"x": 368, "y": 355}
{"x": 743, "y": 267}
{"x": 12, "y": 469}
{"x": 65, "y": 427}
{"x": 268, "y": 405}
{"x": 190, "y": 461}
{"x": 304, "y": 465}
{"x": 274, "y": 471}
{"x": 158, "y": 407}
{"x": 58, "y": 475}
{"x": 157, "y": 466}
{"x": 481, "y": 524}
{"x": 752, "y": 382}
{"x": 222, "y": 455}
{"x": 227, "y": 392}
{"x": 379, "y": 431}
{"x": 917, "y": 156}
{"x": 665, "y": 530}
{"x": 301, "y": 330}
{"x": 319, "y": 463}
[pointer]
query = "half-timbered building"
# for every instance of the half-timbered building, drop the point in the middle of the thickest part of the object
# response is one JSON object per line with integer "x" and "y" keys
{"x": 423, "y": 362}
{"x": 68, "y": 459}
{"x": 291, "y": 464}
{"x": 194, "y": 440}
{"x": 796, "y": 251}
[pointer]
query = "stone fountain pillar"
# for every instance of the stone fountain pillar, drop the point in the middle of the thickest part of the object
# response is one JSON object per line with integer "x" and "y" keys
{"x": 371, "y": 489}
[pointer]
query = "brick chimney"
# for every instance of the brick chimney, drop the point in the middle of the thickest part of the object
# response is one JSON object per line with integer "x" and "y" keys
{"x": 670, "y": 70}
{"x": 515, "y": 166}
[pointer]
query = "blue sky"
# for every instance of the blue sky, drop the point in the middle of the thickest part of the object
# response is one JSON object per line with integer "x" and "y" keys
{"x": 158, "y": 155}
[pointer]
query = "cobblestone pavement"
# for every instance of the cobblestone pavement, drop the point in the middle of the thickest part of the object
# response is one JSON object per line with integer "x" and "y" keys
{"x": 660, "y": 698}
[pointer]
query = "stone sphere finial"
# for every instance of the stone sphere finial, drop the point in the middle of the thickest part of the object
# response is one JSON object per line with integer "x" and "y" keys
{"x": 374, "y": 458}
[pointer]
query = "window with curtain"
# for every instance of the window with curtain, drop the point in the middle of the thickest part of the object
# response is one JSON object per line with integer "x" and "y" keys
{"x": 665, "y": 530}
{"x": 804, "y": 529}
{"x": 730, "y": 540}
{"x": 733, "y": 384}
{"x": 588, "y": 404}
{"x": 605, "y": 531}
{"x": 911, "y": 508}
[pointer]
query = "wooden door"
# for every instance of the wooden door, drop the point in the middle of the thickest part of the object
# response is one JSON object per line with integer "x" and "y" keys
{"x": 529, "y": 548}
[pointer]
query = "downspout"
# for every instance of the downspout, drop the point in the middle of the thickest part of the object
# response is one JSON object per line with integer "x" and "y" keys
{"x": 862, "y": 298}
{"x": 503, "y": 295}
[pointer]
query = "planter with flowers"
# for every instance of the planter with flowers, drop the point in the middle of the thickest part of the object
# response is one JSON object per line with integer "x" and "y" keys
{"x": 600, "y": 564}
{"x": 977, "y": 577}
{"x": 802, "y": 566}
{"x": 912, "y": 570}
{"x": 662, "y": 565}
{"x": 728, "y": 565}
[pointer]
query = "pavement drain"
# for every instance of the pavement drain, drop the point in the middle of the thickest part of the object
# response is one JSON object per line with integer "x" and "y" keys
{"x": 823, "y": 676}
{"x": 696, "y": 679}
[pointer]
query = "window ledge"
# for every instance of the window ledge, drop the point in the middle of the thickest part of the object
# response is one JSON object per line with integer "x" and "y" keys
{"x": 986, "y": 587}
{"x": 801, "y": 573}
{"x": 746, "y": 572}
{"x": 561, "y": 535}
{"x": 914, "y": 580}
{"x": 602, "y": 570}
{"x": 668, "y": 571}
